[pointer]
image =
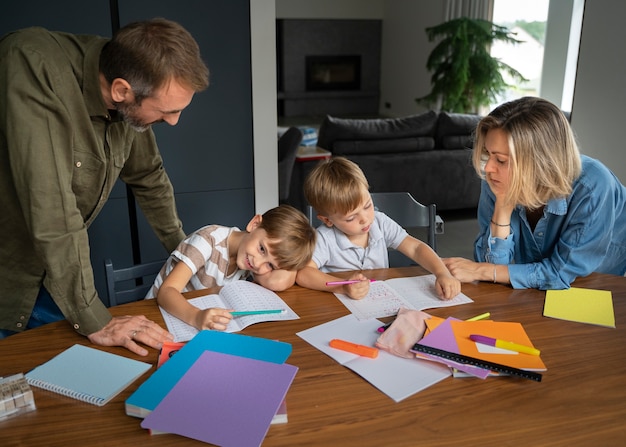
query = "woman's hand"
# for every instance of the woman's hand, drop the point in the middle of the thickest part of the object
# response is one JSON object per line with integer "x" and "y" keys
{"x": 463, "y": 269}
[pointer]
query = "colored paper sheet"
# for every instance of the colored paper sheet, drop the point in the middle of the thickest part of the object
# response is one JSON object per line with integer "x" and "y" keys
{"x": 452, "y": 335}
{"x": 501, "y": 330}
{"x": 441, "y": 336}
{"x": 581, "y": 305}
{"x": 150, "y": 393}
{"x": 224, "y": 399}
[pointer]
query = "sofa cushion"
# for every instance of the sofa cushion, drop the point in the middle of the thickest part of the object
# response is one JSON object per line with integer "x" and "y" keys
{"x": 333, "y": 129}
{"x": 399, "y": 145}
{"x": 456, "y": 130}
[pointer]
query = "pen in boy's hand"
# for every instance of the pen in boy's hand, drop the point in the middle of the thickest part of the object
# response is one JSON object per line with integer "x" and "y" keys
{"x": 347, "y": 281}
{"x": 257, "y": 312}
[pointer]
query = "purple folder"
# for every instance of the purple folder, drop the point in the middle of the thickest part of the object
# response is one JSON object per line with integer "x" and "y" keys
{"x": 224, "y": 399}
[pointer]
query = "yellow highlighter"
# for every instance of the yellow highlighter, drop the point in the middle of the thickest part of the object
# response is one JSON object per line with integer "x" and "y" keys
{"x": 479, "y": 317}
{"x": 504, "y": 344}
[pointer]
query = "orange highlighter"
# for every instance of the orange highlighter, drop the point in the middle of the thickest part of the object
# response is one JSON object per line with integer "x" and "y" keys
{"x": 365, "y": 351}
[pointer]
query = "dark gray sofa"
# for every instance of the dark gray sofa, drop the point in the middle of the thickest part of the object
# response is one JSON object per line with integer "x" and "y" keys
{"x": 427, "y": 155}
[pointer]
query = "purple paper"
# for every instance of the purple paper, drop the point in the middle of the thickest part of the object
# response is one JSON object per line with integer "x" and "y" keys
{"x": 224, "y": 399}
{"x": 442, "y": 337}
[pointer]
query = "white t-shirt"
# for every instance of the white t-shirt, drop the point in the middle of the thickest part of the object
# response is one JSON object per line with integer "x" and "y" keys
{"x": 334, "y": 251}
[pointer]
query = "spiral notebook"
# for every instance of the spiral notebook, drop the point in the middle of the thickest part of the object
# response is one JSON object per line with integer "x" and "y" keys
{"x": 87, "y": 374}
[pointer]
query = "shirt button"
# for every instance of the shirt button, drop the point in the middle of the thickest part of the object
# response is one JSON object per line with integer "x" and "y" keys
{"x": 22, "y": 317}
{"x": 540, "y": 233}
{"x": 76, "y": 326}
{"x": 19, "y": 324}
{"x": 78, "y": 164}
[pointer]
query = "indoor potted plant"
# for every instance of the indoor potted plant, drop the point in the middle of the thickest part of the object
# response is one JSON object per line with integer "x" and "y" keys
{"x": 465, "y": 75}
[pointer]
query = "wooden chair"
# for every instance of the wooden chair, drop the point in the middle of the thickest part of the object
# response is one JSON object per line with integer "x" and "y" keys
{"x": 129, "y": 284}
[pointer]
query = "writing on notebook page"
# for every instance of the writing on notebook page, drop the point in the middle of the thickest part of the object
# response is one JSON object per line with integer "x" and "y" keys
{"x": 385, "y": 298}
{"x": 238, "y": 295}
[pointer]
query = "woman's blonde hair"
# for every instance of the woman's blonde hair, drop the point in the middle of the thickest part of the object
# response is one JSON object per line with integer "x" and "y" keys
{"x": 292, "y": 238}
{"x": 544, "y": 159}
{"x": 335, "y": 185}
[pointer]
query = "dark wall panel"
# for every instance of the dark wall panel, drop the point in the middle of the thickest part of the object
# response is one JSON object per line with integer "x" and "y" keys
{"x": 73, "y": 16}
{"x": 211, "y": 146}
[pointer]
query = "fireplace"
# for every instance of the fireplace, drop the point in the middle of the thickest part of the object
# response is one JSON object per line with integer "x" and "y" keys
{"x": 328, "y": 67}
{"x": 342, "y": 72}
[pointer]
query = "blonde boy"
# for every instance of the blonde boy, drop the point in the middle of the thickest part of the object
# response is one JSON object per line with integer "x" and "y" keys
{"x": 355, "y": 237}
{"x": 273, "y": 247}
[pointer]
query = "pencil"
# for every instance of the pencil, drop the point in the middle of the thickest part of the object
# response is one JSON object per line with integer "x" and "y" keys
{"x": 347, "y": 281}
{"x": 256, "y": 312}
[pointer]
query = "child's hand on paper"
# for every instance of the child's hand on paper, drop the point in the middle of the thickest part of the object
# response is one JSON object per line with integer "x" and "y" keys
{"x": 357, "y": 290}
{"x": 447, "y": 286}
{"x": 213, "y": 318}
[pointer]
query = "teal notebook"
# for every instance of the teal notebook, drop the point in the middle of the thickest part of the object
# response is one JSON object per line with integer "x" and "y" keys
{"x": 155, "y": 388}
{"x": 87, "y": 374}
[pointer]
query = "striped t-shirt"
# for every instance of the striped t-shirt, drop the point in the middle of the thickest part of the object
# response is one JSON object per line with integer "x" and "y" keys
{"x": 205, "y": 252}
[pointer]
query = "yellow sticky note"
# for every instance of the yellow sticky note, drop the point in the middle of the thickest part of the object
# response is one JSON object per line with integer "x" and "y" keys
{"x": 582, "y": 305}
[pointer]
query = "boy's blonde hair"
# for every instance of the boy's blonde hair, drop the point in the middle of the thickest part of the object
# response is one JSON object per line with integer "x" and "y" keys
{"x": 544, "y": 159}
{"x": 335, "y": 185}
{"x": 292, "y": 238}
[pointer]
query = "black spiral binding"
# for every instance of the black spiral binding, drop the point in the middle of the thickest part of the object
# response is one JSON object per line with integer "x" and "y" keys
{"x": 460, "y": 358}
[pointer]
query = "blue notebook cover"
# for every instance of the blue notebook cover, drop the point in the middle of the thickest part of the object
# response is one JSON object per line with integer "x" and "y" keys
{"x": 155, "y": 388}
{"x": 224, "y": 399}
{"x": 87, "y": 374}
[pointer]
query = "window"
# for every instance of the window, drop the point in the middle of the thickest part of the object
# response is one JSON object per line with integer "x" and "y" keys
{"x": 549, "y": 54}
{"x": 528, "y": 20}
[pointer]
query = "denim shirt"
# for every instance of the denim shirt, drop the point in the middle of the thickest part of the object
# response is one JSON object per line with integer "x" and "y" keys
{"x": 577, "y": 235}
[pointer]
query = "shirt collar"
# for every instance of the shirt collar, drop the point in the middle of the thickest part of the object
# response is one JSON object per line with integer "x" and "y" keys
{"x": 557, "y": 206}
{"x": 554, "y": 206}
{"x": 374, "y": 235}
{"x": 91, "y": 80}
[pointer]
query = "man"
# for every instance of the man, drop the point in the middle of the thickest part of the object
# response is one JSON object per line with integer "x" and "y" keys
{"x": 75, "y": 114}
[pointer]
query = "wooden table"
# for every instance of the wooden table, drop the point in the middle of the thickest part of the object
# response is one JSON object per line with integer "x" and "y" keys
{"x": 581, "y": 400}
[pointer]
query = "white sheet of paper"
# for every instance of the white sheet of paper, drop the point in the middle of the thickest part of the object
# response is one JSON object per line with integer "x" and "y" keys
{"x": 386, "y": 297}
{"x": 395, "y": 376}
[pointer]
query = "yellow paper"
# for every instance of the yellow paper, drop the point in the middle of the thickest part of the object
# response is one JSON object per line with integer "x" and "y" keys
{"x": 580, "y": 305}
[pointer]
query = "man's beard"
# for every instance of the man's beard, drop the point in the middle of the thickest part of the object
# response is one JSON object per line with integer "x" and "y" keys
{"x": 128, "y": 113}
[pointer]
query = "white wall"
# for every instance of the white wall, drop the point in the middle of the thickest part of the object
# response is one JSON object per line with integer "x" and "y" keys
{"x": 264, "y": 108}
{"x": 405, "y": 49}
{"x": 599, "y": 105}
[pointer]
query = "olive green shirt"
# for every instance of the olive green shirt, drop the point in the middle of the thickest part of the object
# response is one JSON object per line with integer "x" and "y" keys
{"x": 61, "y": 152}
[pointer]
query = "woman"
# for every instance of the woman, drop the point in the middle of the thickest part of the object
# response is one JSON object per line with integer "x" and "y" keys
{"x": 547, "y": 215}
